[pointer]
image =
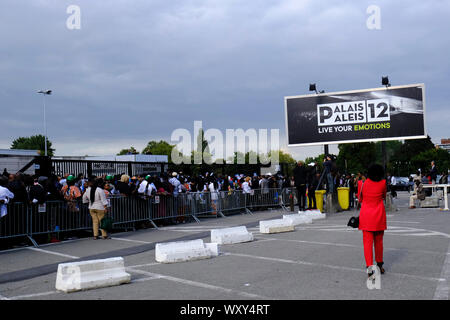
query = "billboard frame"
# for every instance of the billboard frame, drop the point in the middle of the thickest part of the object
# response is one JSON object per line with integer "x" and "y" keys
{"x": 422, "y": 85}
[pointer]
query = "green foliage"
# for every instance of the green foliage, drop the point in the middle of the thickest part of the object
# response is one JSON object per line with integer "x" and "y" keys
{"x": 317, "y": 160}
{"x": 131, "y": 150}
{"x": 423, "y": 160}
{"x": 36, "y": 142}
{"x": 402, "y": 159}
{"x": 159, "y": 148}
{"x": 356, "y": 157}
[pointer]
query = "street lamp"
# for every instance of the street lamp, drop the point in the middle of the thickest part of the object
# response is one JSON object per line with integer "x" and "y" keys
{"x": 44, "y": 93}
{"x": 312, "y": 87}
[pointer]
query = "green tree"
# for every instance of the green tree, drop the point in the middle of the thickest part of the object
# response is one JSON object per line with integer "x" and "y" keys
{"x": 286, "y": 161}
{"x": 411, "y": 148}
{"x": 159, "y": 148}
{"x": 202, "y": 151}
{"x": 130, "y": 150}
{"x": 36, "y": 142}
{"x": 356, "y": 157}
{"x": 423, "y": 160}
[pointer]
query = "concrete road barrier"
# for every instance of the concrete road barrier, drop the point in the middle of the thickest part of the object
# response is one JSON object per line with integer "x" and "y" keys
{"x": 314, "y": 214}
{"x": 231, "y": 235}
{"x": 275, "y": 226}
{"x": 430, "y": 202}
{"x": 297, "y": 219}
{"x": 180, "y": 251}
{"x": 91, "y": 274}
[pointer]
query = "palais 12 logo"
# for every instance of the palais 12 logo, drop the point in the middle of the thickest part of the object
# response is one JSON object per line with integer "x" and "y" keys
{"x": 363, "y": 111}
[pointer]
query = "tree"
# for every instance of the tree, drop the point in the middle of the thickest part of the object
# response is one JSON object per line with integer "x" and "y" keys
{"x": 411, "y": 148}
{"x": 356, "y": 157}
{"x": 159, "y": 148}
{"x": 423, "y": 160}
{"x": 286, "y": 161}
{"x": 131, "y": 150}
{"x": 36, "y": 142}
{"x": 202, "y": 152}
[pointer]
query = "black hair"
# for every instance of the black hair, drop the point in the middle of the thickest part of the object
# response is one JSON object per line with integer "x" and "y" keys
{"x": 94, "y": 185}
{"x": 375, "y": 172}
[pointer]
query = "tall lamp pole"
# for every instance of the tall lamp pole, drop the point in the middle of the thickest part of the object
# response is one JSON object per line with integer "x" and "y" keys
{"x": 44, "y": 93}
{"x": 312, "y": 87}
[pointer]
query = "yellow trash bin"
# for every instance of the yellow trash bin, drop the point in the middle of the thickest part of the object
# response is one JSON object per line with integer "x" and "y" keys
{"x": 319, "y": 199}
{"x": 343, "y": 197}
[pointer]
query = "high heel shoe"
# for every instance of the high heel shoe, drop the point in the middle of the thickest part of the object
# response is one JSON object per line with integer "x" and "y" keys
{"x": 380, "y": 265}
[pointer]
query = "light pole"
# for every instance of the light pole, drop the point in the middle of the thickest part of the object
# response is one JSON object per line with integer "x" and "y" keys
{"x": 44, "y": 93}
{"x": 312, "y": 87}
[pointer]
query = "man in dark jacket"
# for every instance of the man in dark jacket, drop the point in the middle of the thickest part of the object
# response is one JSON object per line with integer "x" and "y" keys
{"x": 433, "y": 172}
{"x": 17, "y": 186}
{"x": 300, "y": 174}
{"x": 313, "y": 182}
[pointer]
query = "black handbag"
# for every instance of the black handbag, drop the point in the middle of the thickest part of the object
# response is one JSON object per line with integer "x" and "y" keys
{"x": 353, "y": 222}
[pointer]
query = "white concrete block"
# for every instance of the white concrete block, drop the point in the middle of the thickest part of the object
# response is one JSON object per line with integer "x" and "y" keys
{"x": 297, "y": 219}
{"x": 231, "y": 235}
{"x": 91, "y": 274}
{"x": 180, "y": 251}
{"x": 314, "y": 214}
{"x": 430, "y": 202}
{"x": 275, "y": 226}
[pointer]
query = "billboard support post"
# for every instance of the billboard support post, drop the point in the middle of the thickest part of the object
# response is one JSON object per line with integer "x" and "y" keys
{"x": 325, "y": 149}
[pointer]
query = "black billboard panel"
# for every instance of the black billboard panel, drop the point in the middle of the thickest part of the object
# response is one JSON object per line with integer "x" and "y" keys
{"x": 394, "y": 113}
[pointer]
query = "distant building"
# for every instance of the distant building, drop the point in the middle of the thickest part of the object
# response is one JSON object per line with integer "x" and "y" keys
{"x": 445, "y": 144}
{"x": 15, "y": 159}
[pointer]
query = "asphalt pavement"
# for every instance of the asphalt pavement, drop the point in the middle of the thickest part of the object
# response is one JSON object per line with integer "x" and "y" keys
{"x": 322, "y": 260}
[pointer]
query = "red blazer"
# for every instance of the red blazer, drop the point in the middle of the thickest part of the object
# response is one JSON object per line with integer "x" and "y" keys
{"x": 372, "y": 216}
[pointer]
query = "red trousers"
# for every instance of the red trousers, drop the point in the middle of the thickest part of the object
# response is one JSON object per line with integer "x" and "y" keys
{"x": 371, "y": 239}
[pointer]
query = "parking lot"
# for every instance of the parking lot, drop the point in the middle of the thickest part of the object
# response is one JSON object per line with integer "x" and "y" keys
{"x": 322, "y": 260}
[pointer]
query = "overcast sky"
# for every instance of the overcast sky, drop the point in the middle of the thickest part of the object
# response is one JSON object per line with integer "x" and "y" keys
{"x": 137, "y": 70}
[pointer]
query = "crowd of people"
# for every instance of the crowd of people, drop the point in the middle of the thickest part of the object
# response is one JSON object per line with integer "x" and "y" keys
{"x": 306, "y": 179}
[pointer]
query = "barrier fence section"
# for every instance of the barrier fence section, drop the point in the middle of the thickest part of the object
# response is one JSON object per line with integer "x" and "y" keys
{"x": 58, "y": 216}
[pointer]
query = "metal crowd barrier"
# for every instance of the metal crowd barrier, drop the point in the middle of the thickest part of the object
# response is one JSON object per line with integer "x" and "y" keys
{"x": 60, "y": 216}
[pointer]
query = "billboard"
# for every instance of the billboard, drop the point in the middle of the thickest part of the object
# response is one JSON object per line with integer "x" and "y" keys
{"x": 394, "y": 113}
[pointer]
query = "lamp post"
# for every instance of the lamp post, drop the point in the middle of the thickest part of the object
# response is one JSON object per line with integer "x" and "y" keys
{"x": 384, "y": 82}
{"x": 312, "y": 87}
{"x": 44, "y": 93}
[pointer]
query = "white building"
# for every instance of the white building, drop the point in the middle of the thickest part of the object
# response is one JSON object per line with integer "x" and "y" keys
{"x": 15, "y": 159}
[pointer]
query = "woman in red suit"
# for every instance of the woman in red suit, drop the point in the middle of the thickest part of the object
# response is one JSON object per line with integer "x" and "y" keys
{"x": 372, "y": 217}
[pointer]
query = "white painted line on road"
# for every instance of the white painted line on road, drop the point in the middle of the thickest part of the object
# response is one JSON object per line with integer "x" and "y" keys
{"x": 442, "y": 288}
{"x": 352, "y": 246}
{"x": 198, "y": 284}
{"x": 54, "y": 253}
{"x": 131, "y": 240}
{"x": 391, "y": 221}
{"x": 145, "y": 265}
{"x": 143, "y": 279}
{"x": 32, "y": 295}
{"x": 329, "y": 266}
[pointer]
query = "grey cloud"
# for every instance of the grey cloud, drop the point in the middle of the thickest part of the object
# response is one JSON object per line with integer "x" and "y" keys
{"x": 140, "y": 69}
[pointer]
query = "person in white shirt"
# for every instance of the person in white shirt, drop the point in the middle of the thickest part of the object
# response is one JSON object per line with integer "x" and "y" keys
{"x": 5, "y": 195}
{"x": 175, "y": 183}
{"x": 146, "y": 187}
{"x": 393, "y": 186}
{"x": 98, "y": 205}
{"x": 212, "y": 188}
{"x": 246, "y": 185}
